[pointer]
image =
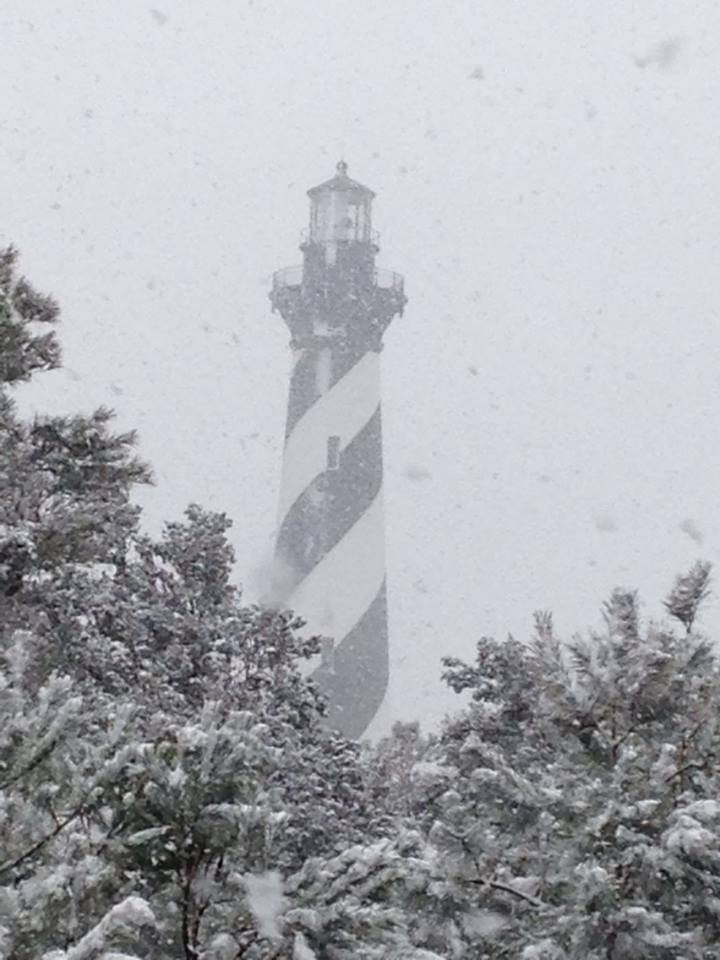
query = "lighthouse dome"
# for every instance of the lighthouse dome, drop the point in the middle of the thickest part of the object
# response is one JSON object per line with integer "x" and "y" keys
{"x": 340, "y": 210}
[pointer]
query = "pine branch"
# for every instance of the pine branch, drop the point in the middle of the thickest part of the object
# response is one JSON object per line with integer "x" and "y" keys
{"x": 35, "y": 762}
{"x": 506, "y": 888}
{"x": 496, "y": 884}
{"x": 31, "y": 851}
{"x": 693, "y": 765}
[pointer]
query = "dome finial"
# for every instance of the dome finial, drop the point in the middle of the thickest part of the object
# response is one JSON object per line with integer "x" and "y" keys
{"x": 342, "y": 168}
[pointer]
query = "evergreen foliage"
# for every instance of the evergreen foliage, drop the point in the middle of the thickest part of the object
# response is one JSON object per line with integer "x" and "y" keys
{"x": 24, "y": 349}
{"x": 581, "y": 789}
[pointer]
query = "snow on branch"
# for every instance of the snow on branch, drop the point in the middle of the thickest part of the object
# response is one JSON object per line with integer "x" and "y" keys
{"x": 125, "y": 919}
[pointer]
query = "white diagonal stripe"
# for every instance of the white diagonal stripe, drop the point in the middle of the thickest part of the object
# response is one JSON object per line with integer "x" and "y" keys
{"x": 341, "y": 412}
{"x": 337, "y": 592}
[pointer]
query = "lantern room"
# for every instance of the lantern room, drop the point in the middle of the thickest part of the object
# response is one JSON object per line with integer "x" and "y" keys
{"x": 340, "y": 210}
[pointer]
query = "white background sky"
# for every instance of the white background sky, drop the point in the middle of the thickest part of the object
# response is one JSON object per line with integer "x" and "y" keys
{"x": 548, "y": 180}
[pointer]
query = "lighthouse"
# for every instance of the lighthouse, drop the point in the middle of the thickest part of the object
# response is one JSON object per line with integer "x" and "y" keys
{"x": 330, "y": 544}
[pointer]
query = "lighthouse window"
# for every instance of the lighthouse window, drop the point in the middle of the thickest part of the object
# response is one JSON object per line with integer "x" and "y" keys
{"x": 360, "y": 222}
{"x": 333, "y": 453}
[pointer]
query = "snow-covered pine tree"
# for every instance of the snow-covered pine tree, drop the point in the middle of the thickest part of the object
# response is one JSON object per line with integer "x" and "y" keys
{"x": 162, "y": 742}
{"x": 59, "y": 759}
{"x": 25, "y": 346}
{"x": 65, "y": 482}
{"x": 688, "y": 593}
{"x": 579, "y": 806}
{"x": 64, "y": 486}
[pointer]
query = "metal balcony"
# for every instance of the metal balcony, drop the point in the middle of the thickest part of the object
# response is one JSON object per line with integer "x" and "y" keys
{"x": 388, "y": 280}
{"x": 287, "y": 277}
{"x": 373, "y": 238}
{"x": 293, "y": 277}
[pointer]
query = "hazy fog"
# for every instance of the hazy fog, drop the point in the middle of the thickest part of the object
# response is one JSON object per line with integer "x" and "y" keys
{"x": 548, "y": 180}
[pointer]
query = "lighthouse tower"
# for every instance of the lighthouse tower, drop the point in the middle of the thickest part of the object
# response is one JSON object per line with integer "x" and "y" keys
{"x": 330, "y": 542}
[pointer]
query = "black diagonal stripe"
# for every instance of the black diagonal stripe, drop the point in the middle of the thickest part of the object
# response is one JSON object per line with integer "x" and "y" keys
{"x": 303, "y": 382}
{"x": 303, "y": 388}
{"x": 299, "y": 544}
{"x": 326, "y": 510}
{"x": 346, "y": 354}
{"x": 356, "y": 680}
{"x": 356, "y": 482}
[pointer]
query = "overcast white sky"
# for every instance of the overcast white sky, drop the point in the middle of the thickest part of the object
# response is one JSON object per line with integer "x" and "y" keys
{"x": 548, "y": 180}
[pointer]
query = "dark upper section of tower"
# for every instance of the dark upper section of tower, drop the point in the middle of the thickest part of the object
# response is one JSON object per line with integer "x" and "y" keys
{"x": 338, "y": 291}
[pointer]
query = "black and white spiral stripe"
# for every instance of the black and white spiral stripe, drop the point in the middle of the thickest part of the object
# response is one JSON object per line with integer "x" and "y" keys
{"x": 331, "y": 525}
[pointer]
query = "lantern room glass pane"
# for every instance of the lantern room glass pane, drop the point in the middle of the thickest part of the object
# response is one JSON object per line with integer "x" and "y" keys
{"x": 339, "y": 216}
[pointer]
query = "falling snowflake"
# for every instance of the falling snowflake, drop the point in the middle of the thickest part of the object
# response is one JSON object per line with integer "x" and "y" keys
{"x": 662, "y": 55}
{"x": 414, "y": 472}
{"x": 689, "y": 528}
{"x": 159, "y": 17}
{"x": 265, "y": 900}
{"x": 605, "y": 523}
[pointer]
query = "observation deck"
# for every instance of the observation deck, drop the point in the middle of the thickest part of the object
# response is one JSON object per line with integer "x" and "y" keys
{"x": 371, "y": 237}
{"x": 292, "y": 277}
{"x": 348, "y": 305}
